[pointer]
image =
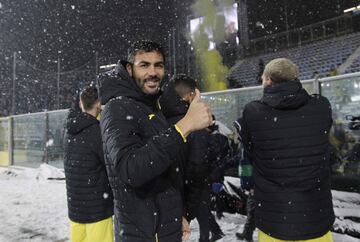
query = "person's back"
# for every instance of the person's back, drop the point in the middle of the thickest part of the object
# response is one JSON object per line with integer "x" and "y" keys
{"x": 286, "y": 135}
{"x": 89, "y": 196}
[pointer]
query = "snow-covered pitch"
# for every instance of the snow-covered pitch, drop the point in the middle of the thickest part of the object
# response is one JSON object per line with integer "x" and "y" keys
{"x": 33, "y": 208}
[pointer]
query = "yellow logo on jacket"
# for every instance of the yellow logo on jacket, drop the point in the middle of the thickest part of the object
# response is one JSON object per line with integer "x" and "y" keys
{"x": 151, "y": 116}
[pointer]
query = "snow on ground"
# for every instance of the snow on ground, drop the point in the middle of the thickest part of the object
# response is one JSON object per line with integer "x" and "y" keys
{"x": 346, "y": 206}
{"x": 33, "y": 208}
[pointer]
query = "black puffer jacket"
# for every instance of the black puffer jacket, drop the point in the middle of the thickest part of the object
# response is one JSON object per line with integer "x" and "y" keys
{"x": 89, "y": 194}
{"x": 143, "y": 154}
{"x": 196, "y": 166}
{"x": 287, "y": 137}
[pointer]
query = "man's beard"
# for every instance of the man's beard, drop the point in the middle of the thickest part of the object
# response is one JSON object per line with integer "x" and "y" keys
{"x": 141, "y": 83}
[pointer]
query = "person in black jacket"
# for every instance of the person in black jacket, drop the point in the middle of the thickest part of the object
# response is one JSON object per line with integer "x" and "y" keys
{"x": 260, "y": 71}
{"x": 286, "y": 135}
{"x": 174, "y": 102}
{"x": 89, "y": 196}
{"x": 143, "y": 152}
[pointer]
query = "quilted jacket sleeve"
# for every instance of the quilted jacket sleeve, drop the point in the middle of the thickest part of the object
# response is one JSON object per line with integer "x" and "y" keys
{"x": 136, "y": 160}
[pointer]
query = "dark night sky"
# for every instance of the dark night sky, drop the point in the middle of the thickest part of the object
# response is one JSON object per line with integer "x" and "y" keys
{"x": 73, "y": 31}
{"x": 41, "y": 31}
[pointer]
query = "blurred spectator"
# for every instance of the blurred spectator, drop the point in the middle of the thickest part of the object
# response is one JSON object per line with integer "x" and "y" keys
{"x": 261, "y": 70}
{"x": 315, "y": 75}
{"x": 247, "y": 184}
{"x": 228, "y": 48}
{"x": 333, "y": 71}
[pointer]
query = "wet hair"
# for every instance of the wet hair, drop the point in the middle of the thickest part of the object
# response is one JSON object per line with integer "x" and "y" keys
{"x": 183, "y": 84}
{"x": 146, "y": 46}
{"x": 281, "y": 70}
{"x": 89, "y": 96}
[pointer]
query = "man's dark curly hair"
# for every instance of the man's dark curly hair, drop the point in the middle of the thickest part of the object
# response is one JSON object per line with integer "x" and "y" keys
{"x": 144, "y": 45}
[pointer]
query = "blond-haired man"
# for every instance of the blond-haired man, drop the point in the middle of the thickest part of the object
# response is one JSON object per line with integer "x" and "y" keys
{"x": 286, "y": 134}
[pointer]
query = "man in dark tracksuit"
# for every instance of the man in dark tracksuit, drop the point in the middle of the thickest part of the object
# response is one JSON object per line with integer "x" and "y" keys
{"x": 143, "y": 152}
{"x": 89, "y": 196}
{"x": 174, "y": 102}
{"x": 286, "y": 135}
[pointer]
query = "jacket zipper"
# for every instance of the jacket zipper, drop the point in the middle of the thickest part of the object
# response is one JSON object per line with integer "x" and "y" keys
{"x": 156, "y": 215}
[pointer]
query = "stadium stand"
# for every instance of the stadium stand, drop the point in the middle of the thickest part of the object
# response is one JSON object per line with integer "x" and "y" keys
{"x": 313, "y": 59}
{"x": 36, "y": 91}
{"x": 355, "y": 66}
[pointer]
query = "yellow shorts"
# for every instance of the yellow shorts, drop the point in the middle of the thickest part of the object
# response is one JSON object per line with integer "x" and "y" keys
{"x": 92, "y": 232}
{"x": 266, "y": 238}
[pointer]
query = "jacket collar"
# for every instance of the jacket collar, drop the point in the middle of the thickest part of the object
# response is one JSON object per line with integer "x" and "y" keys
{"x": 285, "y": 95}
{"x": 78, "y": 121}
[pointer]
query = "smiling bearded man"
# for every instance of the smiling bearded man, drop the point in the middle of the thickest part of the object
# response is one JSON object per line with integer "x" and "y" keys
{"x": 143, "y": 153}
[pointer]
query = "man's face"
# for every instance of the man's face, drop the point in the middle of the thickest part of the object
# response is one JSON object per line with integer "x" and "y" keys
{"x": 148, "y": 71}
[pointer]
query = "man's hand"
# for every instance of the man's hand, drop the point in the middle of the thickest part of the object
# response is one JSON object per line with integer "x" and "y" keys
{"x": 185, "y": 229}
{"x": 198, "y": 116}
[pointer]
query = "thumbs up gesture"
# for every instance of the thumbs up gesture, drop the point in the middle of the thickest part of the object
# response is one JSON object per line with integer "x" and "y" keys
{"x": 198, "y": 116}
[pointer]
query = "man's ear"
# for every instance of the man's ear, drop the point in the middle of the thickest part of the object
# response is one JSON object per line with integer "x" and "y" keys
{"x": 81, "y": 106}
{"x": 98, "y": 104}
{"x": 267, "y": 81}
{"x": 129, "y": 69}
{"x": 98, "y": 107}
{"x": 191, "y": 96}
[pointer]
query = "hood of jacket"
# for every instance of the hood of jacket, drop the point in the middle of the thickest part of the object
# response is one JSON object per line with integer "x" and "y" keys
{"x": 78, "y": 121}
{"x": 171, "y": 103}
{"x": 117, "y": 82}
{"x": 286, "y": 95}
